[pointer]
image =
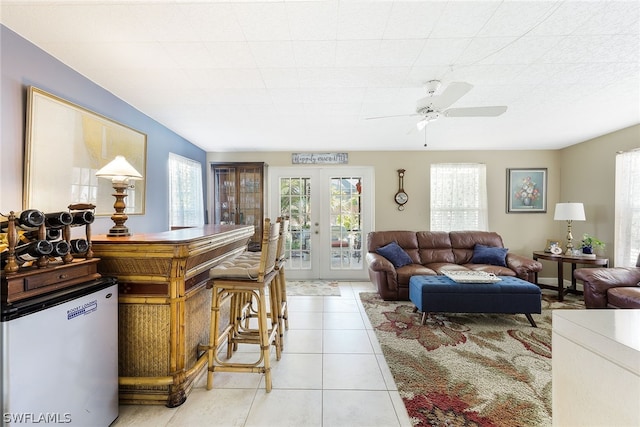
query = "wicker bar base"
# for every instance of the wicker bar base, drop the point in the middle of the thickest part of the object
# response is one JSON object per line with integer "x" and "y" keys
{"x": 164, "y": 306}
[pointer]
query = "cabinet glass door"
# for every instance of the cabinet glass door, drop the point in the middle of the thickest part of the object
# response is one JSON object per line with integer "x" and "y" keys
{"x": 250, "y": 194}
{"x": 225, "y": 195}
{"x": 238, "y": 196}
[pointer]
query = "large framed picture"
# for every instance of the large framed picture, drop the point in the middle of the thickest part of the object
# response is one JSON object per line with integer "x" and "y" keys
{"x": 527, "y": 190}
{"x": 66, "y": 145}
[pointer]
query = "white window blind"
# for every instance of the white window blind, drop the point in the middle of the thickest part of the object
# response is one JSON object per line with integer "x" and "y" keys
{"x": 186, "y": 208}
{"x": 458, "y": 197}
{"x": 627, "y": 209}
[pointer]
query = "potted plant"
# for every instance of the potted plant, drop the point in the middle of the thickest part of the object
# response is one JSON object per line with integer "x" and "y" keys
{"x": 590, "y": 243}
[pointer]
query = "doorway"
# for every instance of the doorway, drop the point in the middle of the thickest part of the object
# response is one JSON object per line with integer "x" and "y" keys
{"x": 331, "y": 212}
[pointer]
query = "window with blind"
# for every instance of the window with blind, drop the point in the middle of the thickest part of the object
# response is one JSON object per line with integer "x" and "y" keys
{"x": 627, "y": 209}
{"x": 186, "y": 207}
{"x": 458, "y": 197}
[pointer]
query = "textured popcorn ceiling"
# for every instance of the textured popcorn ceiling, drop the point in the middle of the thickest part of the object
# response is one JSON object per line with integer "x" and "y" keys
{"x": 304, "y": 75}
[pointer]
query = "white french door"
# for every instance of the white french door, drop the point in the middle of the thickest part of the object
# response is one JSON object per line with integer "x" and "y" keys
{"x": 330, "y": 211}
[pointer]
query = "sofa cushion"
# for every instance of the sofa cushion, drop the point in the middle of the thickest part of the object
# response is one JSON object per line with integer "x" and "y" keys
{"x": 463, "y": 243}
{"x": 394, "y": 253}
{"x": 495, "y": 269}
{"x": 408, "y": 271}
{"x": 434, "y": 246}
{"x": 405, "y": 239}
{"x": 489, "y": 255}
{"x": 441, "y": 267}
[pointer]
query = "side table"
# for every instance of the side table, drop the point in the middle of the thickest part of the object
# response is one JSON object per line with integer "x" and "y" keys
{"x": 560, "y": 260}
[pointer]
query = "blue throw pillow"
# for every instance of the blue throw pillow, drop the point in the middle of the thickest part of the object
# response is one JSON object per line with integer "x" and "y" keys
{"x": 489, "y": 255}
{"x": 394, "y": 253}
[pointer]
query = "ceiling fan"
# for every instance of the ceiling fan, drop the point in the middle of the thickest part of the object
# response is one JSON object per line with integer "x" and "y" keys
{"x": 432, "y": 107}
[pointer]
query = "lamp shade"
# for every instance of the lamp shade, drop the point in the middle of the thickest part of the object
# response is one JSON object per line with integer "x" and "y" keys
{"x": 569, "y": 212}
{"x": 118, "y": 169}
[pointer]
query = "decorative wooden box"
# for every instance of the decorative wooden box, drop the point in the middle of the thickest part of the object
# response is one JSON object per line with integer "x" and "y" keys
{"x": 33, "y": 281}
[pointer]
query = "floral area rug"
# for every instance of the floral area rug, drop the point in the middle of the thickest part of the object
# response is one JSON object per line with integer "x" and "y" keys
{"x": 468, "y": 369}
{"x": 312, "y": 288}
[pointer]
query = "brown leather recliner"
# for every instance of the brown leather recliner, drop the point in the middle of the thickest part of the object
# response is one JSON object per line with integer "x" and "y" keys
{"x": 617, "y": 287}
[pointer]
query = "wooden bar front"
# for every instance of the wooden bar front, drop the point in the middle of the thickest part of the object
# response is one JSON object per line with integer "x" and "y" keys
{"x": 164, "y": 305}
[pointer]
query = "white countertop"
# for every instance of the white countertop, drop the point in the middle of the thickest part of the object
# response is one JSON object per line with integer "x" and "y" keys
{"x": 614, "y": 334}
{"x": 596, "y": 368}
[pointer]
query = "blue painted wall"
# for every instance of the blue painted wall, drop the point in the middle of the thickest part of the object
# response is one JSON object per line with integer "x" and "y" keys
{"x": 23, "y": 64}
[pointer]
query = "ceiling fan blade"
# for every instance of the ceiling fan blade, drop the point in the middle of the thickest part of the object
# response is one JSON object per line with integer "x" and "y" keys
{"x": 475, "y": 111}
{"x": 451, "y": 94}
{"x": 386, "y": 117}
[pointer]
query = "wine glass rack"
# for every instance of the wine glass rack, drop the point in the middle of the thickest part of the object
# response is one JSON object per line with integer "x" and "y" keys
{"x": 34, "y": 238}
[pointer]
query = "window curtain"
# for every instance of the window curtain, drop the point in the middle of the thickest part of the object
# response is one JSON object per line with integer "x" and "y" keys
{"x": 186, "y": 206}
{"x": 458, "y": 197}
{"x": 627, "y": 209}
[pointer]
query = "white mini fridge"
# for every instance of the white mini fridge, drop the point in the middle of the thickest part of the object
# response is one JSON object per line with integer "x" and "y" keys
{"x": 60, "y": 357}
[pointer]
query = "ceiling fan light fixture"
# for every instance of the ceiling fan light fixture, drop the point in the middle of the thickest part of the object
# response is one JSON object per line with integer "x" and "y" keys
{"x": 432, "y": 86}
{"x": 428, "y": 114}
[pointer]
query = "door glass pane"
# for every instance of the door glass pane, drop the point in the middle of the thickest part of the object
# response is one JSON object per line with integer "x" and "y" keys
{"x": 295, "y": 202}
{"x": 346, "y": 222}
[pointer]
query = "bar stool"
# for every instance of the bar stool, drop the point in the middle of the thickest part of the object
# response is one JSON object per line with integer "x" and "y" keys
{"x": 243, "y": 282}
{"x": 281, "y": 260}
{"x": 280, "y": 293}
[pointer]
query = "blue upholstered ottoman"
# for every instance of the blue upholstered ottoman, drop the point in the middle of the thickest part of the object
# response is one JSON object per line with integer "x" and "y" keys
{"x": 440, "y": 294}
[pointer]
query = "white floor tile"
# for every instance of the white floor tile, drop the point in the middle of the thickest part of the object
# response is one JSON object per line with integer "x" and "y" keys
{"x": 286, "y": 408}
{"x": 297, "y": 371}
{"x": 303, "y": 341}
{"x": 305, "y": 304}
{"x": 374, "y": 341}
{"x": 143, "y": 415}
{"x": 214, "y": 407}
{"x": 343, "y": 321}
{"x": 346, "y": 341}
{"x": 386, "y": 373}
{"x": 401, "y": 410}
{"x": 305, "y": 319}
{"x": 358, "y": 408}
{"x": 340, "y": 305}
{"x": 352, "y": 372}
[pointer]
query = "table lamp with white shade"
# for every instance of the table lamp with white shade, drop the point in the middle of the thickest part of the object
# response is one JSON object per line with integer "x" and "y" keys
{"x": 569, "y": 212}
{"x": 119, "y": 171}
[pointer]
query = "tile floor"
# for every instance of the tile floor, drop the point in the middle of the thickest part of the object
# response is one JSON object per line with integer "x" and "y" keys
{"x": 332, "y": 373}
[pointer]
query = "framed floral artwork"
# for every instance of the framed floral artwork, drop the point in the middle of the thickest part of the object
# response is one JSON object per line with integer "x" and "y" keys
{"x": 527, "y": 190}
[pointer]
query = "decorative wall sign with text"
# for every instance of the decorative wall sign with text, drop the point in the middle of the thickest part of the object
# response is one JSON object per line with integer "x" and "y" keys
{"x": 319, "y": 158}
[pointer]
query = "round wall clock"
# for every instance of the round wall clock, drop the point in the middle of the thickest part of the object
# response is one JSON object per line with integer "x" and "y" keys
{"x": 401, "y": 196}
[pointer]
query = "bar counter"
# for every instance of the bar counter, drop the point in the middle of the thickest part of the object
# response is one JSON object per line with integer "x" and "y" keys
{"x": 164, "y": 305}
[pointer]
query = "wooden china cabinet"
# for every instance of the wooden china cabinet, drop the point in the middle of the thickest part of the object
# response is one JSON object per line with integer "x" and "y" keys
{"x": 239, "y": 195}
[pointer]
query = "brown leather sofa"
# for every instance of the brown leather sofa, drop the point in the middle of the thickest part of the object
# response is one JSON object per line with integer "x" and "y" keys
{"x": 617, "y": 287}
{"x": 433, "y": 252}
